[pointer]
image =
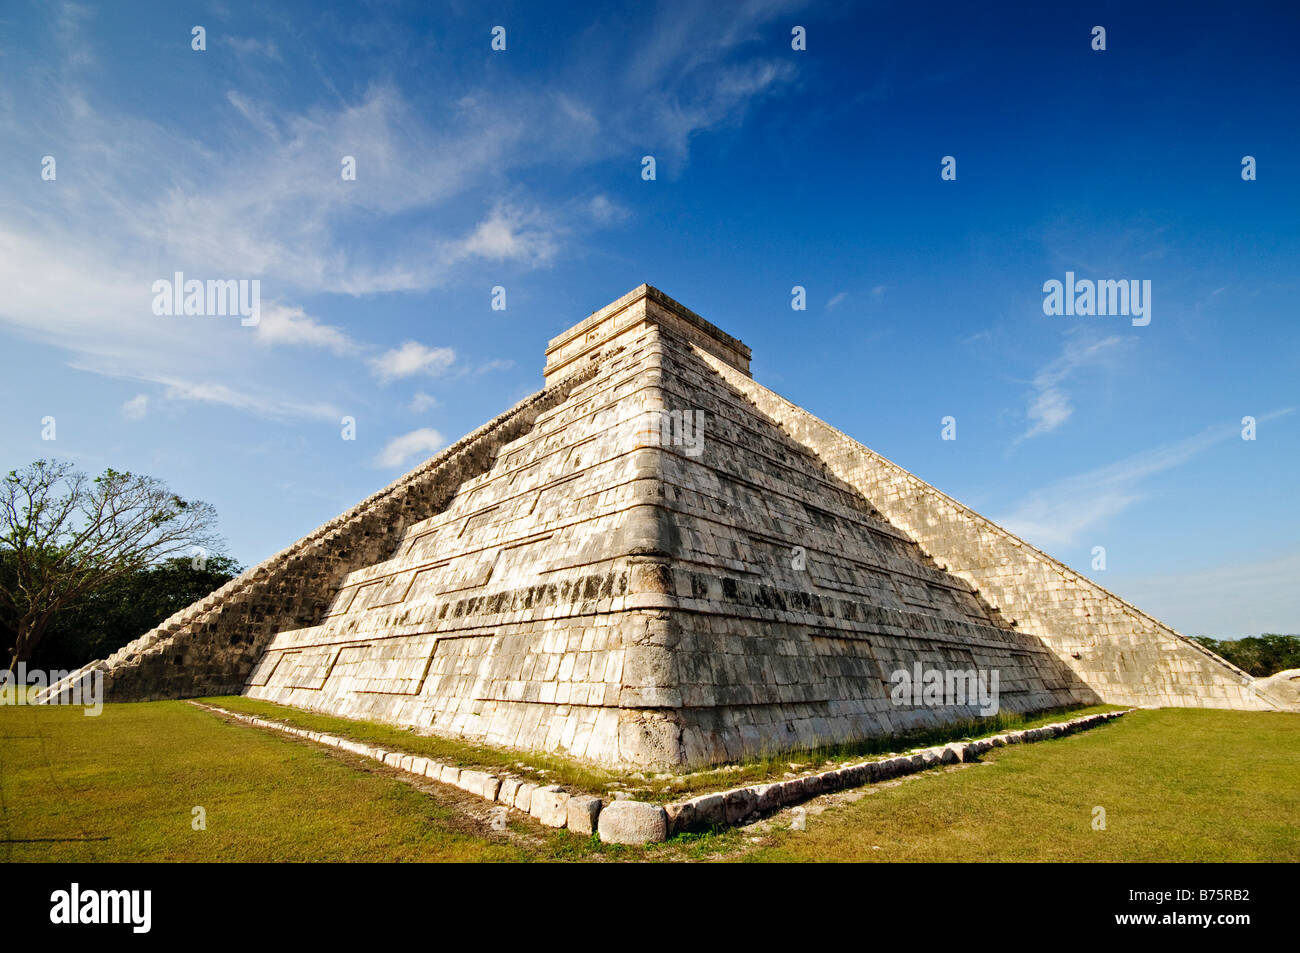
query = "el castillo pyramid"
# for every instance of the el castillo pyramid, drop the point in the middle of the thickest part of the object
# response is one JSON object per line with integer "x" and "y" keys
{"x": 656, "y": 561}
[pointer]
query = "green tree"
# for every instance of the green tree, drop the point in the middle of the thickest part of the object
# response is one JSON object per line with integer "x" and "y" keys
{"x": 1260, "y": 655}
{"x": 126, "y": 608}
{"x": 65, "y": 535}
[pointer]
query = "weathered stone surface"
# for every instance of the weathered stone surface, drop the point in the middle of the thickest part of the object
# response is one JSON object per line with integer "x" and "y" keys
{"x": 681, "y": 817}
{"x": 710, "y": 810}
{"x": 632, "y": 822}
{"x": 472, "y": 782}
{"x": 524, "y": 797}
{"x": 831, "y": 780}
{"x": 856, "y": 774}
{"x": 1086, "y": 627}
{"x": 550, "y": 806}
{"x": 582, "y": 812}
{"x": 508, "y": 790}
{"x": 687, "y": 815}
{"x": 792, "y": 791}
{"x": 767, "y": 797}
{"x": 738, "y": 804}
{"x": 212, "y": 646}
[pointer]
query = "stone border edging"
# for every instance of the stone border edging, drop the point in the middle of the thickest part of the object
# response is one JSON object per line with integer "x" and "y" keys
{"x": 549, "y": 804}
{"x": 736, "y": 805}
{"x": 623, "y": 821}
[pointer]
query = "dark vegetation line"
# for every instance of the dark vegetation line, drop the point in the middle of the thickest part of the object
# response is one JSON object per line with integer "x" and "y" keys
{"x": 1260, "y": 655}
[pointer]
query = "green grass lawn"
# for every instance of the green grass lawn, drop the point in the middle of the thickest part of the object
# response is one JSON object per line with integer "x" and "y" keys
{"x": 1176, "y": 785}
{"x": 123, "y": 786}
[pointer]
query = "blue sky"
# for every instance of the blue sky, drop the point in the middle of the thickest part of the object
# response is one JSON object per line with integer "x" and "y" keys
{"x": 775, "y": 168}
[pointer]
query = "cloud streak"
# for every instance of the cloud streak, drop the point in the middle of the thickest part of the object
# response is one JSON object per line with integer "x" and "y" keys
{"x": 423, "y": 442}
{"x": 1050, "y": 406}
{"x": 1227, "y": 601}
{"x": 254, "y": 190}
{"x": 410, "y": 359}
{"x": 1060, "y": 513}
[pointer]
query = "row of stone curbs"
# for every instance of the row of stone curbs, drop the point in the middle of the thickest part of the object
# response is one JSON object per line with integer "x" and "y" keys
{"x": 618, "y": 822}
{"x": 742, "y": 804}
{"x": 624, "y": 821}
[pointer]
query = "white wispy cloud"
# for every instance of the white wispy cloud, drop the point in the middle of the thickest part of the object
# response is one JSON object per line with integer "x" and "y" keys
{"x": 262, "y": 404}
{"x": 605, "y": 211}
{"x": 252, "y": 46}
{"x": 425, "y": 442}
{"x": 1058, "y": 514}
{"x": 258, "y": 401}
{"x": 508, "y": 234}
{"x": 136, "y": 407}
{"x": 1050, "y": 405}
{"x": 262, "y": 196}
{"x": 281, "y": 324}
{"x": 409, "y": 359}
{"x": 487, "y": 367}
{"x": 421, "y": 402}
{"x": 697, "y": 72}
{"x": 1226, "y": 601}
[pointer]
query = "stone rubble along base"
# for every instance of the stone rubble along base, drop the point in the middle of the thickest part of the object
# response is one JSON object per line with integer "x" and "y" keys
{"x": 633, "y": 822}
{"x": 550, "y": 806}
{"x": 624, "y": 821}
{"x": 583, "y": 813}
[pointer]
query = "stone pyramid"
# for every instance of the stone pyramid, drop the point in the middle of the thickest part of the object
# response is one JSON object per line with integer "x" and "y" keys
{"x": 656, "y": 561}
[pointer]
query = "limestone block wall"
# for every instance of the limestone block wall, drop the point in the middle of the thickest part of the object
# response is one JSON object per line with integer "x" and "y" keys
{"x": 604, "y": 592}
{"x": 503, "y": 617}
{"x": 761, "y": 653}
{"x": 212, "y": 646}
{"x": 1128, "y": 657}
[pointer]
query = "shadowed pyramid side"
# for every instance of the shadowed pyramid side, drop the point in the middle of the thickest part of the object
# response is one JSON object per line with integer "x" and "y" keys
{"x": 789, "y": 602}
{"x": 1126, "y": 656}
